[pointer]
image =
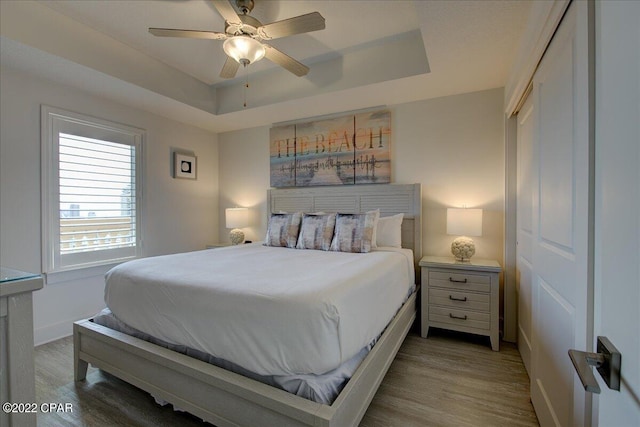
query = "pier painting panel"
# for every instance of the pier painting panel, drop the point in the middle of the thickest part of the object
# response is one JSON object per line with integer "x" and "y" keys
{"x": 373, "y": 148}
{"x": 282, "y": 156}
{"x": 324, "y": 154}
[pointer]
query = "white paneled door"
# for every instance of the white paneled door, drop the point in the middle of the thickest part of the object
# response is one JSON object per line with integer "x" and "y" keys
{"x": 524, "y": 227}
{"x": 578, "y": 214}
{"x": 561, "y": 223}
{"x": 617, "y": 218}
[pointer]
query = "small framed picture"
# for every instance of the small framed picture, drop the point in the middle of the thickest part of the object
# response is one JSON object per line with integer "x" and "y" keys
{"x": 184, "y": 166}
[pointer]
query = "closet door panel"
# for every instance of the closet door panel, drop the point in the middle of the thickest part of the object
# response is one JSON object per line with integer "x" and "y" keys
{"x": 524, "y": 229}
{"x": 562, "y": 216}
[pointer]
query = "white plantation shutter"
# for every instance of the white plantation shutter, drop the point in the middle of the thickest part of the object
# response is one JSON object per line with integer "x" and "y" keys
{"x": 97, "y": 179}
{"x": 92, "y": 208}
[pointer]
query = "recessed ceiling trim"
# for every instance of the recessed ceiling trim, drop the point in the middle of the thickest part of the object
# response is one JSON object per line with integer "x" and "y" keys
{"x": 40, "y": 27}
{"x": 389, "y": 59}
{"x": 331, "y": 116}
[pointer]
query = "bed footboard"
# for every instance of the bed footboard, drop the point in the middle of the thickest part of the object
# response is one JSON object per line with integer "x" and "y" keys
{"x": 225, "y": 398}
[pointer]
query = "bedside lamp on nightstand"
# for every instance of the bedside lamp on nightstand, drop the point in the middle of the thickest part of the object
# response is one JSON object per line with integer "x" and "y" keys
{"x": 236, "y": 218}
{"x": 464, "y": 222}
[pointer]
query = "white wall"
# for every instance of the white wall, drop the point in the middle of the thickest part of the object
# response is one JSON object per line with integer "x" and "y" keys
{"x": 178, "y": 215}
{"x": 453, "y": 146}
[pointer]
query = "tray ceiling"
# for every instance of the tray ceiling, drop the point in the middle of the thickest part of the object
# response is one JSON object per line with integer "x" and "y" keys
{"x": 371, "y": 52}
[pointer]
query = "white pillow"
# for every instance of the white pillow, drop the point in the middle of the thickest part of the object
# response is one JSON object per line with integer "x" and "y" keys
{"x": 389, "y": 231}
{"x": 375, "y": 226}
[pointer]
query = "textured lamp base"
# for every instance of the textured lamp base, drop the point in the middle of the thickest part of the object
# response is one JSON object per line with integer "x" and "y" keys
{"x": 237, "y": 236}
{"x": 463, "y": 248}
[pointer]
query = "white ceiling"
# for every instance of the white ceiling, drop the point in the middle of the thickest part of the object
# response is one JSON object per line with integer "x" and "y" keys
{"x": 128, "y": 21}
{"x": 469, "y": 46}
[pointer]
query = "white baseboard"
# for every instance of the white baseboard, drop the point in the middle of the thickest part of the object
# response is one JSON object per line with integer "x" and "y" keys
{"x": 56, "y": 331}
{"x": 524, "y": 347}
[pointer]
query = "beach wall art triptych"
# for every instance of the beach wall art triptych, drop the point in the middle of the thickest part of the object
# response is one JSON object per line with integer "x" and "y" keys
{"x": 351, "y": 149}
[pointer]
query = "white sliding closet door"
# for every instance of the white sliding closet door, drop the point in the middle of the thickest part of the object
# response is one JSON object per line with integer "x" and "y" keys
{"x": 561, "y": 259}
{"x": 524, "y": 229}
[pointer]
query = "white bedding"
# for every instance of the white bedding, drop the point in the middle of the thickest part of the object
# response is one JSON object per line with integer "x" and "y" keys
{"x": 273, "y": 311}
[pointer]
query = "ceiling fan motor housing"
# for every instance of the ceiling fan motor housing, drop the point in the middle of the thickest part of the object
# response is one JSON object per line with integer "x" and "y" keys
{"x": 249, "y": 26}
{"x": 245, "y": 6}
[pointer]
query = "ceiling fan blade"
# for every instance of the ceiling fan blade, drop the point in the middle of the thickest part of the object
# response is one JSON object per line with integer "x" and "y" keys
{"x": 230, "y": 68}
{"x": 287, "y": 27}
{"x": 227, "y": 11}
{"x": 190, "y": 34}
{"x": 285, "y": 61}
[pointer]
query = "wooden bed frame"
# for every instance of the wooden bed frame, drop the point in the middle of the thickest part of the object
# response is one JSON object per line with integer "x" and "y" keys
{"x": 224, "y": 398}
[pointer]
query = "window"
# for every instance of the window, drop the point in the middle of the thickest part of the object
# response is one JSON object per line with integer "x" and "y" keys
{"x": 91, "y": 191}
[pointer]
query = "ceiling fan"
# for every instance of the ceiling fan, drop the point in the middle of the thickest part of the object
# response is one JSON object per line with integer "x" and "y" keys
{"x": 243, "y": 36}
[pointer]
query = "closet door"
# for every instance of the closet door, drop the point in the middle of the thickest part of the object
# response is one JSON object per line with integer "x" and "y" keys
{"x": 562, "y": 219}
{"x": 524, "y": 229}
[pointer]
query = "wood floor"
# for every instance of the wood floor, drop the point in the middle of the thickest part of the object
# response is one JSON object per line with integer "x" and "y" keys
{"x": 450, "y": 379}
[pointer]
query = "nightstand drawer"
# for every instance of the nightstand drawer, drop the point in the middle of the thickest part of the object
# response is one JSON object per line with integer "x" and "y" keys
{"x": 464, "y": 300}
{"x": 460, "y": 281}
{"x": 453, "y": 316}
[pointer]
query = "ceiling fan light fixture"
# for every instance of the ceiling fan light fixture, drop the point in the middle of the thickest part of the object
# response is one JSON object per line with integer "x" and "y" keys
{"x": 244, "y": 49}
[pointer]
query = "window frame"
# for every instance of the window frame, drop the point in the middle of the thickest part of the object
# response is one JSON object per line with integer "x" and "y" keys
{"x": 53, "y": 122}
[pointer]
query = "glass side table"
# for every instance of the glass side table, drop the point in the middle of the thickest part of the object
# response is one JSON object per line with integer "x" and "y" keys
{"x": 11, "y": 275}
{"x": 17, "y": 372}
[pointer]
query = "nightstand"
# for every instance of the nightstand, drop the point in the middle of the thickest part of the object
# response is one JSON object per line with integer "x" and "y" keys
{"x": 461, "y": 296}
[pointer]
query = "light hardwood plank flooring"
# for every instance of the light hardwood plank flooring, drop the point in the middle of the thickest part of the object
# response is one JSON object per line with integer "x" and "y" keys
{"x": 453, "y": 379}
{"x": 450, "y": 379}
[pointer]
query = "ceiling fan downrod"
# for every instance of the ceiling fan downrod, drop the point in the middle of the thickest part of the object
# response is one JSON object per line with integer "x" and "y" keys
{"x": 245, "y": 6}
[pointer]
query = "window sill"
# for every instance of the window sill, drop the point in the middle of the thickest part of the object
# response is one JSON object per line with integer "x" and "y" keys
{"x": 78, "y": 274}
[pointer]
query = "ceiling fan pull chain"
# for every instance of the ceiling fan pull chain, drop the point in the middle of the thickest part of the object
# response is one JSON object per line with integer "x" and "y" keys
{"x": 246, "y": 85}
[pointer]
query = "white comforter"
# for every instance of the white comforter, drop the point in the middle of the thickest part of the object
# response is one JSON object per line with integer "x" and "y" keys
{"x": 273, "y": 311}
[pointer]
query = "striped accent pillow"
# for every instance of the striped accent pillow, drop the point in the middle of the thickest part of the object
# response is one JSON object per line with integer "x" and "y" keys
{"x": 283, "y": 230}
{"x": 354, "y": 232}
{"x": 316, "y": 231}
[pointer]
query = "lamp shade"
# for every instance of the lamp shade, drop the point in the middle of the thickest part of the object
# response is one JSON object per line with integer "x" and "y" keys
{"x": 464, "y": 222}
{"x": 244, "y": 49}
{"x": 236, "y": 217}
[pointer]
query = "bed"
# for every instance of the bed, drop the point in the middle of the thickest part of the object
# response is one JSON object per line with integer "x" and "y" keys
{"x": 226, "y": 398}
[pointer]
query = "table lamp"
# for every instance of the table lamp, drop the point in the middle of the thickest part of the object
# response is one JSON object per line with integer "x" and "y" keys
{"x": 236, "y": 218}
{"x": 464, "y": 222}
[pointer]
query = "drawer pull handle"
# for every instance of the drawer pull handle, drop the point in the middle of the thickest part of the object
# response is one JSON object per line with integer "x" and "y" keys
{"x": 458, "y": 317}
{"x": 452, "y": 298}
{"x": 451, "y": 279}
